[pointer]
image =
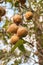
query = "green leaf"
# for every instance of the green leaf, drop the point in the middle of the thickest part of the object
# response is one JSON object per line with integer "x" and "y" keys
{"x": 5, "y": 40}
{"x": 8, "y": 0}
{"x": 16, "y": 4}
{"x": 28, "y": 53}
{"x": 21, "y": 47}
{"x": 20, "y": 42}
{"x": 25, "y": 25}
{"x": 7, "y": 23}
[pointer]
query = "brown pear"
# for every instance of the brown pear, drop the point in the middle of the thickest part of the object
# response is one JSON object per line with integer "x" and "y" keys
{"x": 12, "y": 28}
{"x": 14, "y": 39}
{"x": 28, "y": 15}
{"x": 22, "y": 31}
{"x": 2, "y": 11}
{"x": 17, "y": 19}
{"x": 0, "y": 18}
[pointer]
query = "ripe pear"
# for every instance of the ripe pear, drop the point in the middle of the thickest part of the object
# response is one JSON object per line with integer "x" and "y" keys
{"x": 2, "y": 11}
{"x": 0, "y": 18}
{"x": 12, "y": 28}
{"x": 14, "y": 39}
{"x": 17, "y": 19}
{"x": 22, "y": 31}
{"x": 28, "y": 15}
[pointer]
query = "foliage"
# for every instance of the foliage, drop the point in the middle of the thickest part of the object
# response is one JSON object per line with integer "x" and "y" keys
{"x": 34, "y": 26}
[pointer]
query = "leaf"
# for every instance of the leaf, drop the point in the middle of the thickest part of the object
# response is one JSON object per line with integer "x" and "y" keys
{"x": 16, "y": 3}
{"x": 5, "y": 40}
{"x": 27, "y": 53}
{"x": 25, "y": 25}
{"x": 20, "y": 42}
{"x": 21, "y": 47}
{"x": 7, "y": 22}
{"x": 8, "y": 1}
{"x": 0, "y": 35}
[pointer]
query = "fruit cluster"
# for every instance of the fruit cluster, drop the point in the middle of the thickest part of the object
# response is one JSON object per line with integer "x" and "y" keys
{"x": 16, "y": 28}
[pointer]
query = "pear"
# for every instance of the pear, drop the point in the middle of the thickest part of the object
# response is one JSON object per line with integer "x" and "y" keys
{"x": 17, "y": 19}
{"x": 14, "y": 39}
{"x": 2, "y": 11}
{"x": 12, "y": 28}
{"x": 28, "y": 15}
{"x": 22, "y": 31}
